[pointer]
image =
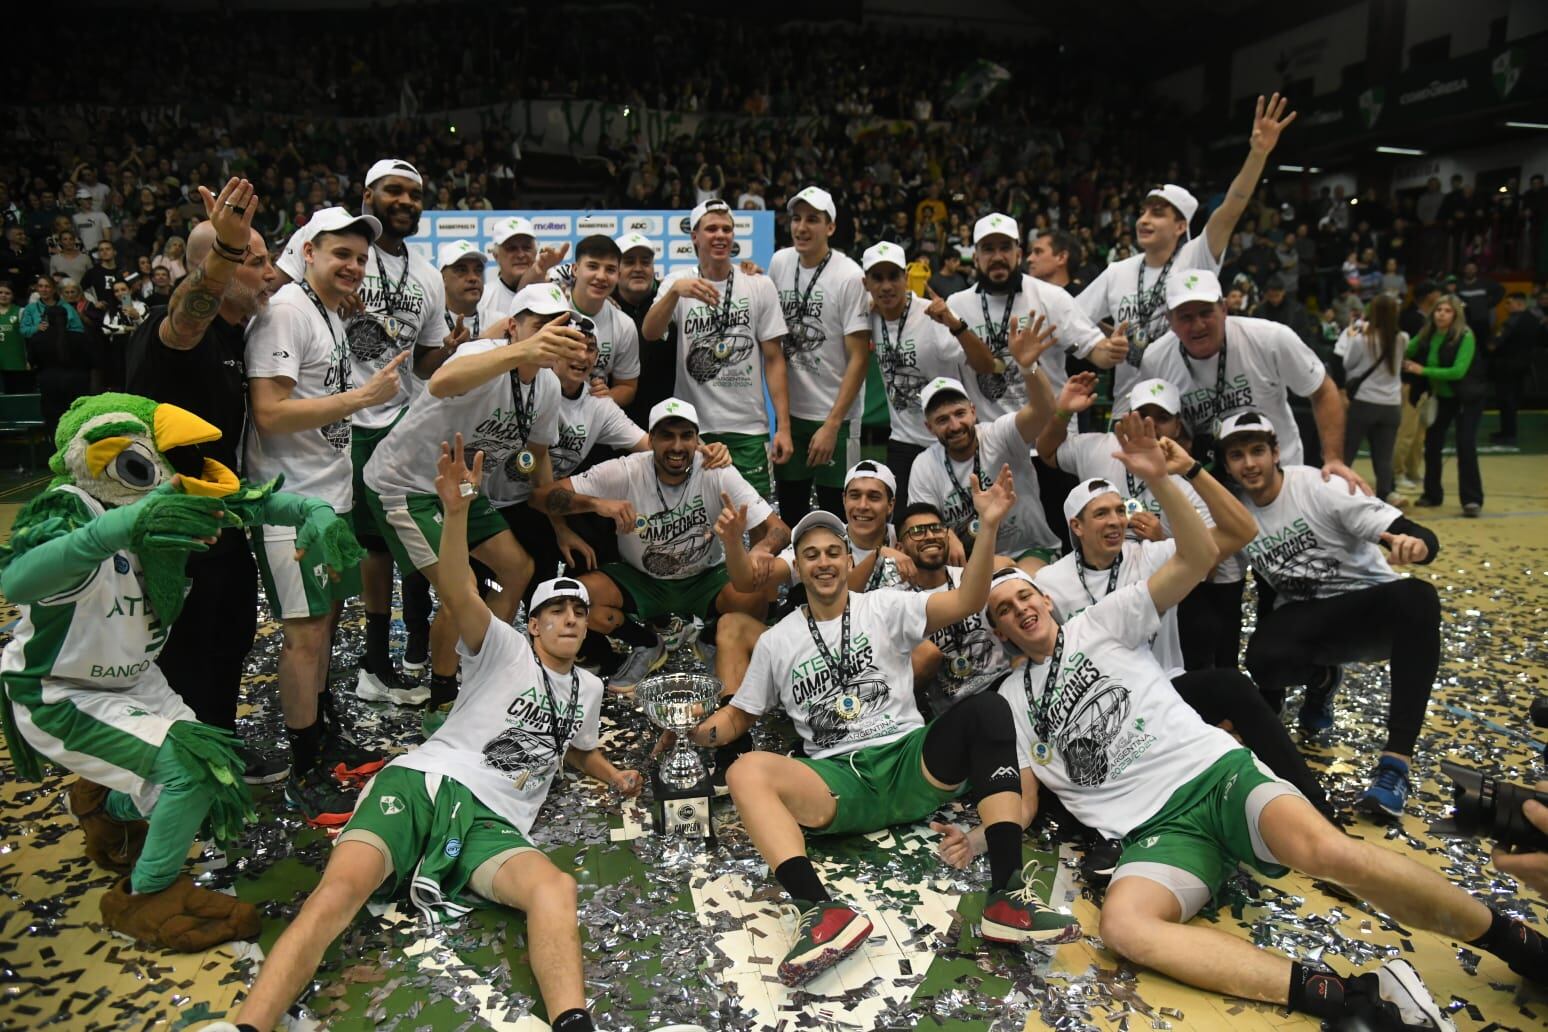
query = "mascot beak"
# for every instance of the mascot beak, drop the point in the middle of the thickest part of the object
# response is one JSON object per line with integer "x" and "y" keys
{"x": 178, "y": 428}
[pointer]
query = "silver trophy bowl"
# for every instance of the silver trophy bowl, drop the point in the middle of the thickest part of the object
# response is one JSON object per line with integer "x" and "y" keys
{"x": 678, "y": 703}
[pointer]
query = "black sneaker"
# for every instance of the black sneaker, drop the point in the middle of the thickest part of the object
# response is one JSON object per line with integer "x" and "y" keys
{"x": 1101, "y": 860}
{"x": 389, "y": 686}
{"x": 319, "y": 801}
{"x": 262, "y": 768}
{"x": 350, "y": 765}
{"x": 724, "y": 757}
{"x": 416, "y": 653}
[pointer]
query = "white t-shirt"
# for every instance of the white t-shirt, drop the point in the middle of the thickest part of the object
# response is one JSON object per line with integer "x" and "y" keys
{"x": 1133, "y": 292}
{"x": 1316, "y": 540}
{"x": 1381, "y": 386}
{"x": 719, "y": 364}
{"x": 998, "y": 394}
{"x": 1116, "y": 740}
{"x": 972, "y": 655}
{"x": 499, "y": 738}
{"x": 910, "y": 358}
{"x": 295, "y": 339}
{"x": 818, "y": 312}
{"x": 678, "y": 539}
{"x": 489, "y": 419}
{"x": 1265, "y": 363}
{"x": 416, "y": 298}
{"x": 870, "y": 702}
{"x": 1074, "y": 587}
{"x": 947, "y": 484}
{"x": 618, "y": 345}
{"x": 498, "y": 300}
{"x": 585, "y": 421}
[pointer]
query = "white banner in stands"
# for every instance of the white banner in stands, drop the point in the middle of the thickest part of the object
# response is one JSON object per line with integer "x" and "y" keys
{"x": 666, "y": 230}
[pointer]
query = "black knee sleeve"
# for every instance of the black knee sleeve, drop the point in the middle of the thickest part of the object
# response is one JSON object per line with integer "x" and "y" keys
{"x": 974, "y": 741}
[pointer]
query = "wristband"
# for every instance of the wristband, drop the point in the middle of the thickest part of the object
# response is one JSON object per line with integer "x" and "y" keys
{"x": 961, "y": 328}
{"x": 1198, "y": 467}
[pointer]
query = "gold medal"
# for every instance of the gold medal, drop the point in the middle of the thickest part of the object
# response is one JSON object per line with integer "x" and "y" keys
{"x": 847, "y": 706}
{"x": 526, "y": 462}
{"x": 393, "y": 327}
{"x": 1133, "y": 506}
{"x": 961, "y": 666}
{"x": 1041, "y": 753}
{"x": 722, "y": 349}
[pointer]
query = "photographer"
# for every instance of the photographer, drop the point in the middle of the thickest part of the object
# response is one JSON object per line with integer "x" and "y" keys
{"x": 1531, "y": 868}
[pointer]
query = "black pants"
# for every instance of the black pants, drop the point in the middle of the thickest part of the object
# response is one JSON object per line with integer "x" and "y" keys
{"x": 1053, "y": 486}
{"x": 1398, "y": 621}
{"x": 1209, "y": 626}
{"x": 1227, "y": 695}
{"x": 795, "y": 498}
{"x": 1508, "y": 385}
{"x": 900, "y": 459}
{"x": 1467, "y": 414}
{"x": 208, "y": 646}
{"x": 535, "y": 534}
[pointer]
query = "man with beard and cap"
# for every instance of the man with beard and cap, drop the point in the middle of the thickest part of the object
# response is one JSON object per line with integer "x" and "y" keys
{"x": 191, "y": 354}
{"x": 827, "y": 349}
{"x": 513, "y": 242}
{"x": 964, "y": 448}
{"x": 404, "y": 306}
{"x": 914, "y": 343}
{"x": 635, "y": 293}
{"x": 448, "y": 824}
{"x": 663, "y": 505}
{"x": 503, "y": 396}
{"x": 301, "y": 398}
{"x": 1006, "y": 298}
{"x": 840, "y": 667}
{"x": 729, "y": 326}
{"x": 1222, "y": 366}
{"x": 1134, "y": 290}
{"x": 1098, "y": 722}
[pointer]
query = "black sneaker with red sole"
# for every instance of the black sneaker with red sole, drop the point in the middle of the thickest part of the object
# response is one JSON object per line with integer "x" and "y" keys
{"x": 319, "y": 801}
{"x": 351, "y": 765}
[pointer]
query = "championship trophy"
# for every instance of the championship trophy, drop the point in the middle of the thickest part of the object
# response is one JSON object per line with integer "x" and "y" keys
{"x": 681, "y": 787}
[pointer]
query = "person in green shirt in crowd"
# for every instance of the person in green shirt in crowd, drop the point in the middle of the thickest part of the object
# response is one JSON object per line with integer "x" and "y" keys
{"x": 15, "y": 374}
{"x": 1454, "y": 369}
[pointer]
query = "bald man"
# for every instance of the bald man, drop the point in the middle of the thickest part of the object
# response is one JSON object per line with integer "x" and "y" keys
{"x": 190, "y": 353}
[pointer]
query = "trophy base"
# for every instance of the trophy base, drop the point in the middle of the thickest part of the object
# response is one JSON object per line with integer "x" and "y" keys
{"x": 683, "y": 811}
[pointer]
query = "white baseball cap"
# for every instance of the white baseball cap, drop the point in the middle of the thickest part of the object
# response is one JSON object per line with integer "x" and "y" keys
{"x": 335, "y": 219}
{"x": 540, "y": 299}
{"x": 939, "y": 385}
{"x": 1155, "y": 392}
{"x": 884, "y": 253}
{"x": 559, "y": 587}
{"x": 819, "y": 518}
{"x": 996, "y": 223}
{"x": 393, "y": 167}
{"x": 629, "y": 241}
{"x": 1193, "y": 285}
{"x": 453, "y": 251}
{"x": 1083, "y": 493}
{"x": 1243, "y": 423}
{"x": 818, "y": 198}
{"x": 703, "y": 208}
{"x": 506, "y": 228}
{"x": 875, "y": 470}
{"x": 1178, "y": 198}
{"x": 672, "y": 408}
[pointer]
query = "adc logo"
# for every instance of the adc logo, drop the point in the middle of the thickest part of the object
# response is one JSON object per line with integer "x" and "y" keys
{"x": 650, "y": 225}
{"x": 682, "y": 250}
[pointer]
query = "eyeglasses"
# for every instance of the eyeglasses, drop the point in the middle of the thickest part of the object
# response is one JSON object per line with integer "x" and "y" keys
{"x": 923, "y": 530}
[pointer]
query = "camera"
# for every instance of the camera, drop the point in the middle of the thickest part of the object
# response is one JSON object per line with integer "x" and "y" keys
{"x": 1488, "y": 806}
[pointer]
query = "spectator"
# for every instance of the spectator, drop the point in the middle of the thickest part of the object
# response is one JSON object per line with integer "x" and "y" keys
{"x": 751, "y": 198}
{"x": 1481, "y": 296}
{"x": 19, "y": 263}
{"x": 1280, "y": 305}
{"x": 1448, "y": 351}
{"x": 1393, "y": 281}
{"x": 918, "y": 273}
{"x": 70, "y": 262}
{"x": 1510, "y": 363}
{"x": 1289, "y": 259}
{"x": 15, "y": 374}
{"x": 949, "y": 279}
{"x": 57, "y": 348}
{"x": 708, "y": 182}
{"x": 91, "y": 226}
{"x": 160, "y": 288}
{"x": 98, "y": 282}
{"x": 1371, "y": 351}
{"x": 171, "y": 258}
{"x": 1408, "y": 458}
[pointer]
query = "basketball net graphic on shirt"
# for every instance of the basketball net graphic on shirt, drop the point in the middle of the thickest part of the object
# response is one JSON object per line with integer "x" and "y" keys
{"x": 526, "y": 747}
{"x": 715, "y": 343}
{"x": 676, "y": 539}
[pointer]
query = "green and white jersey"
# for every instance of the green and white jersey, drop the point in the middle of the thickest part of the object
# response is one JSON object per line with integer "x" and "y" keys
{"x": 870, "y": 701}
{"x": 99, "y": 634}
{"x": 405, "y": 306}
{"x": 822, "y": 305}
{"x": 719, "y": 361}
{"x": 508, "y": 731}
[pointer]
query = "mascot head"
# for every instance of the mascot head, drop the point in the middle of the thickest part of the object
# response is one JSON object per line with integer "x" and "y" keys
{"x": 120, "y": 447}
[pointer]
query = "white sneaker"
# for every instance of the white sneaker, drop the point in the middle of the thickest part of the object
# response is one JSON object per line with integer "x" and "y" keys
{"x": 1401, "y": 986}
{"x": 393, "y": 689}
{"x": 640, "y": 665}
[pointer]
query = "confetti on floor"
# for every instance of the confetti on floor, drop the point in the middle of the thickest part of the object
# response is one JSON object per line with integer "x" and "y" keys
{"x": 675, "y": 932}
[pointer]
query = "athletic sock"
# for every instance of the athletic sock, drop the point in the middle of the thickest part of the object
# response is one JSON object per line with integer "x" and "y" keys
{"x": 798, "y": 877}
{"x": 1523, "y": 948}
{"x": 443, "y": 689}
{"x": 636, "y": 635}
{"x": 305, "y": 744}
{"x": 574, "y": 1020}
{"x": 1003, "y": 844}
{"x": 376, "y": 660}
{"x": 1319, "y": 993}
